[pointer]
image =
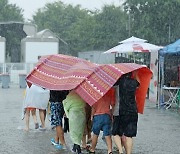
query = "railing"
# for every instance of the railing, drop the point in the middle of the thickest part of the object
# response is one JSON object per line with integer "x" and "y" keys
{"x": 15, "y": 69}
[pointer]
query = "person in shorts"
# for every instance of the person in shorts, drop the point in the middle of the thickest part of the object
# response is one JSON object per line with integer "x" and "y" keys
{"x": 126, "y": 126}
{"x": 57, "y": 113}
{"x": 101, "y": 116}
{"x": 115, "y": 125}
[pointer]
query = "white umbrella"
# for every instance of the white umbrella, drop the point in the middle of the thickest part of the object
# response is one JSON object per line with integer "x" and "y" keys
{"x": 133, "y": 44}
{"x": 133, "y": 39}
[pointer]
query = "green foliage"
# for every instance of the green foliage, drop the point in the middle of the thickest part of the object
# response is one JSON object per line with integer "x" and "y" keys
{"x": 10, "y": 12}
{"x": 59, "y": 18}
{"x": 81, "y": 35}
{"x": 83, "y": 29}
{"x": 111, "y": 27}
{"x": 155, "y": 20}
{"x": 12, "y": 31}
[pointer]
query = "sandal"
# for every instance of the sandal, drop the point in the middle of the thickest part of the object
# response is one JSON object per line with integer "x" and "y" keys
{"x": 87, "y": 147}
{"x": 110, "y": 153}
{"x": 89, "y": 150}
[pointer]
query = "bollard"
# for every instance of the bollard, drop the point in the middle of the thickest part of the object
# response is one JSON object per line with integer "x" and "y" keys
{"x": 22, "y": 80}
{"x": 5, "y": 78}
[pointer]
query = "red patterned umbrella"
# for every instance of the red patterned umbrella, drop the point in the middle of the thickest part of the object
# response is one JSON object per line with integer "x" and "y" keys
{"x": 91, "y": 81}
{"x": 60, "y": 72}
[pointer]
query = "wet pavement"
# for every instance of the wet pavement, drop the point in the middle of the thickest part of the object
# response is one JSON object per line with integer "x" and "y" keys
{"x": 158, "y": 130}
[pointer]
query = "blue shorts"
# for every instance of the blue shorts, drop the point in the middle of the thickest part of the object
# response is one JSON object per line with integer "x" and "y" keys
{"x": 57, "y": 112}
{"x": 102, "y": 122}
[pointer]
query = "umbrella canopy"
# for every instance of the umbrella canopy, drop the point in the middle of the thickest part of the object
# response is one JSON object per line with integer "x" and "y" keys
{"x": 173, "y": 48}
{"x": 98, "y": 83}
{"x": 60, "y": 72}
{"x": 91, "y": 81}
{"x": 133, "y": 39}
{"x": 133, "y": 44}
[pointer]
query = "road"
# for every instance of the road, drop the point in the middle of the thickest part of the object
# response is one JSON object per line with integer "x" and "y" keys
{"x": 158, "y": 130}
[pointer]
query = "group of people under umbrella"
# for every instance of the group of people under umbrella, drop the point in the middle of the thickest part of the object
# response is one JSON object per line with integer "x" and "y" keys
{"x": 108, "y": 96}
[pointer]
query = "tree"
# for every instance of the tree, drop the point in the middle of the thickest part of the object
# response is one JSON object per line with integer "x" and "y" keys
{"x": 156, "y": 20}
{"x": 111, "y": 27}
{"x": 82, "y": 29}
{"x": 10, "y": 12}
{"x": 81, "y": 35}
{"x": 12, "y": 31}
{"x": 59, "y": 18}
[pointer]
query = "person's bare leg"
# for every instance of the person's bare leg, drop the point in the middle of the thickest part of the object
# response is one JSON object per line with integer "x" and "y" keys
{"x": 27, "y": 116}
{"x": 94, "y": 142}
{"x": 128, "y": 144}
{"x": 42, "y": 114}
{"x": 60, "y": 135}
{"x": 33, "y": 113}
{"x": 109, "y": 143}
{"x": 89, "y": 137}
{"x": 84, "y": 141}
{"x": 117, "y": 140}
{"x": 44, "y": 111}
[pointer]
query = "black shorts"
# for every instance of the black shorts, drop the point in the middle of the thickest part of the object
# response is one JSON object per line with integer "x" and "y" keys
{"x": 115, "y": 126}
{"x": 125, "y": 125}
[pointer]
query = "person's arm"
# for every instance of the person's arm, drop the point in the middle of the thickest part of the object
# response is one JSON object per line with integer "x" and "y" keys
{"x": 92, "y": 112}
{"x": 113, "y": 100}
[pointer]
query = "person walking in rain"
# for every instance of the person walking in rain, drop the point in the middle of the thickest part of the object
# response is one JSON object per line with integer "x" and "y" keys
{"x": 74, "y": 107}
{"x": 101, "y": 116}
{"x": 128, "y": 115}
{"x": 35, "y": 98}
{"x": 57, "y": 113}
{"x": 115, "y": 124}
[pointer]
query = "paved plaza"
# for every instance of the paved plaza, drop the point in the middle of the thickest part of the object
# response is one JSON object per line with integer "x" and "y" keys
{"x": 158, "y": 130}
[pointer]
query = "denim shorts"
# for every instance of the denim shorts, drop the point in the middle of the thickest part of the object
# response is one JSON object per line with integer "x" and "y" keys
{"x": 102, "y": 122}
{"x": 57, "y": 112}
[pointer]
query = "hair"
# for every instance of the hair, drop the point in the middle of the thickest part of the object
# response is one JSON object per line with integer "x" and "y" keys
{"x": 128, "y": 75}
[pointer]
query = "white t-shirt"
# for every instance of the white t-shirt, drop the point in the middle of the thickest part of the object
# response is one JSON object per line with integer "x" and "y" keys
{"x": 36, "y": 97}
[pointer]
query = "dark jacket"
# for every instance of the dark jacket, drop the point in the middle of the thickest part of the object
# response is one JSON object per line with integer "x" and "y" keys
{"x": 127, "y": 89}
{"x": 58, "y": 95}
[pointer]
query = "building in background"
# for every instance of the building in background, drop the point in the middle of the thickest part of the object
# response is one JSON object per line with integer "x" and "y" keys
{"x": 40, "y": 44}
{"x": 2, "y": 49}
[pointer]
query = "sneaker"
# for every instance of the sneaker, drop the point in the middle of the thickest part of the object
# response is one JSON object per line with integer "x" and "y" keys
{"x": 64, "y": 147}
{"x": 73, "y": 151}
{"x": 54, "y": 142}
{"x": 36, "y": 125}
{"x": 42, "y": 129}
{"x": 59, "y": 147}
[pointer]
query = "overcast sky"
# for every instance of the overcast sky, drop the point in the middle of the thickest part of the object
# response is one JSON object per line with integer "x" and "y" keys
{"x": 31, "y": 6}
